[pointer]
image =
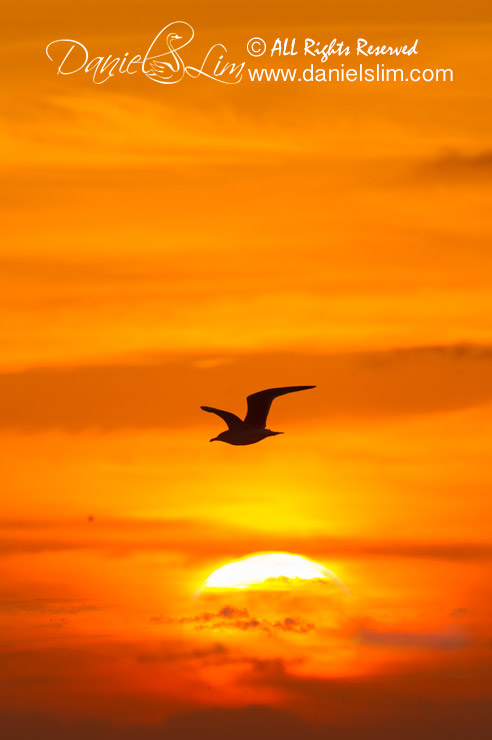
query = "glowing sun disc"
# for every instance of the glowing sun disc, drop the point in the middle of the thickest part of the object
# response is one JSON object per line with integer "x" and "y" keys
{"x": 254, "y": 570}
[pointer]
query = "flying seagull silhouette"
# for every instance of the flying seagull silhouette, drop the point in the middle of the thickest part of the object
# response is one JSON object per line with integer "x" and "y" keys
{"x": 253, "y": 428}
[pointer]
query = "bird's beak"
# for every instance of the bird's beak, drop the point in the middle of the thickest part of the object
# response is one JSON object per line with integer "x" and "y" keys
{"x": 213, "y": 440}
{"x": 177, "y": 37}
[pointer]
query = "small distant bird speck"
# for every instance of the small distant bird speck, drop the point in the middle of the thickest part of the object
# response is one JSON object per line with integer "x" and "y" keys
{"x": 253, "y": 428}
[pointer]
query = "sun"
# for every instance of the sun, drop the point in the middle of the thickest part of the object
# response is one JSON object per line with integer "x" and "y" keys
{"x": 269, "y": 569}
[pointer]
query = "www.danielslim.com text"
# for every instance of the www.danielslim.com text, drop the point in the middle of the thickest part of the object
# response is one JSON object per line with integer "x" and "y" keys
{"x": 379, "y": 73}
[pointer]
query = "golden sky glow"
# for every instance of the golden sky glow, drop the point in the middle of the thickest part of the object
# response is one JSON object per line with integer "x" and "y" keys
{"x": 169, "y": 247}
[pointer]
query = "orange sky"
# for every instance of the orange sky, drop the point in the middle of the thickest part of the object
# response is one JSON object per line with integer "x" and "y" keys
{"x": 172, "y": 246}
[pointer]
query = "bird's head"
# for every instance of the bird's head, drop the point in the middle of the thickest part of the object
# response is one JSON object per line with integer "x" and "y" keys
{"x": 173, "y": 37}
{"x": 219, "y": 438}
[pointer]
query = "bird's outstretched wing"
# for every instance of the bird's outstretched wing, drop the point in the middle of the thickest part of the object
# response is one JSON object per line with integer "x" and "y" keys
{"x": 259, "y": 403}
{"x": 230, "y": 419}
